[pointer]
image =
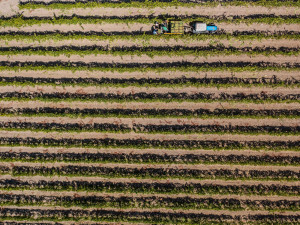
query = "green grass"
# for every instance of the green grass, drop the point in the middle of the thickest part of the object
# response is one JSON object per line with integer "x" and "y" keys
{"x": 150, "y": 85}
{"x": 204, "y": 68}
{"x": 21, "y": 21}
{"x": 147, "y": 203}
{"x": 146, "y": 161}
{"x": 189, "y": 189}
{"x": 56, "y": 172}
{"x": 148, "y": 100}
{"x": 153, "y": 4}
{"x": 143, "y": 38}
{"x": 79, "y": 130}
{"x": 238, "y": 146}
{"x": 122, "y": 115}
{"x": 150, "y": 53}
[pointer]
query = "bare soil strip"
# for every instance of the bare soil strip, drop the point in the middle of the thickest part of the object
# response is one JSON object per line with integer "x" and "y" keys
{"x": 154, "y": 166}
{"x": 216, "y": 92}
{"x": 163, "y": 42}
{"x": 149, "y": 181}
{"x": 135, "y": 136}
{"x": 148, "y": 59}
{"x": 153, "y": 121}
{"x": 150, "y": 105}
{"x": 145, "y": 151}
{"x": 205, "y": 11}
{"x": 214, "y": 212}
{"x": 148, "y": 75}
{"x": 141, "y": 27}
{"x": 9, "y": 7}
{"x": 91, "y": 194}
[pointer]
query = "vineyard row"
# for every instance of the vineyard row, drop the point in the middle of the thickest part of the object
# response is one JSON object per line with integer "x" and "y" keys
{"x": 121, "y": 171}
{"x": 151, "y": 82}
{"x": 123, "y": 35}
{"x": 21, "y": 21}
{"x": 157, "y": 216}
{"x": 115, "y": 157}
{"x": 151, "y": 51}
{"x": 158, "y": 67}
{"x": 150, "y": 128}
{"x": 123, "y": 201}
{"x": 150, "y": 143}
{"x": 153, "y": 187}
{"x": 95, "y": 112}
{"x": 152, "y": 97}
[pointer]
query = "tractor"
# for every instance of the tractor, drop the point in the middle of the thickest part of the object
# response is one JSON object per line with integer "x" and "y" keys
{"x": 177, "y": 27}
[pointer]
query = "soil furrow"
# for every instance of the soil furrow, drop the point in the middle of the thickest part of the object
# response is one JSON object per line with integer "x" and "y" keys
{"x": 29, "y": 180}
{"x": 146, "y": 121}
{"x": 150, "y": 105}
{"x": 177, "y": 11}
{"x": 135, "y": 136}
{"x": 149, "y": 59}
{"x": 254, "y": 77}
{"x": 91, "y": 166}
{"x": 179, "y": 152}
{"x": 235, "y": 42}
{"x": 140, "y": 27}
{"x": 97, "y": 194}
{"x": 132, "y": 90}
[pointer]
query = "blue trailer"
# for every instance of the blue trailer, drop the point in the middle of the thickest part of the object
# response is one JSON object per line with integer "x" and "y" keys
{"x": 202, "y": 28}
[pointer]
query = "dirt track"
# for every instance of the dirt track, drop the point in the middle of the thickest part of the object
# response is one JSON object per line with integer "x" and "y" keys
{"x": 201, "y": 10}
{"x": 172, "y": 42}
{"x": 140, "y": 75}
{"x": 149, "y": 59}
{"x": 140, "y": 27}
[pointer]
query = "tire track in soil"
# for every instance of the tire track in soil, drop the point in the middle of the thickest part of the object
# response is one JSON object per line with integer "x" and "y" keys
{"x": 140, "y": 27}
{"x": 235, "y": 42}
{"x": 149, "y": 59}
{"x": 60, "y": 74}
{"x": 227, "y": 11}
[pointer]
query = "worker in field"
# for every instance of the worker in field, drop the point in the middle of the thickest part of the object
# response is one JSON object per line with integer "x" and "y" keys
{"x": 164, "y": 27}
{"x": 155, "y": 28}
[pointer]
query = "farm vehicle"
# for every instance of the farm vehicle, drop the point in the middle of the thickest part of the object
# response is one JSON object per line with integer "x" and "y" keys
{"x": 178, "y": 27}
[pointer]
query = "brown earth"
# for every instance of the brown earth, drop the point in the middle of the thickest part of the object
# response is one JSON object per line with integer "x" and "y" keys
{"x": 172, "y": 74}
{"x": 155, "y": 59}
{"x": 227, "y": 11}
{"x": 140, "y": 27}
{"x": 289, "y": 43}
{"x": 150, "y": 105}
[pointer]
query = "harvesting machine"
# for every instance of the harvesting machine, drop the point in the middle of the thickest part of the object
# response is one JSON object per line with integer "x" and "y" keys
{"x": 177, "y": 27}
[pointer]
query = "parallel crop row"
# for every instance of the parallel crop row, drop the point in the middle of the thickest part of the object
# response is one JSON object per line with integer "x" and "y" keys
{"x": 155, "y": 186}
{"x": 151, "y": 50}
{"x": 148, "y": 202}
{"x": 95, "y": 112}
{"x": 128, "y": 67}
{"x": 21, "y": 21}
{"x": 150, "y": 97}
{"x": 157, "y": 173}
{"x": 115, "y": 157}
{"x": 150, "y": 143}
{"x": 155, "y": 82}
{"x": 151, "y": 128}
{"x": 113, "y": 36}
{"x": 141, "y": 216}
